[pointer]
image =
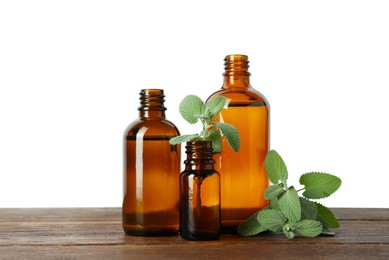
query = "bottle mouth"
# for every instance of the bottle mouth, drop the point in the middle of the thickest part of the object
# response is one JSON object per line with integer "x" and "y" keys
{"x": 236, "y": 57}
{"x": 236, "y": 64}
{"x": 152, "y": 99}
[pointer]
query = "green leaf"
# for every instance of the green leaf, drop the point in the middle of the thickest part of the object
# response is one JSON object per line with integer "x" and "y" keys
{"x": 289, "y": 204}
{"x": 288, "y": 231}
{"x": 273, "y": 191}
{"x": 307, "y": 228}
{"x": 274, "y": 203}
{"x": 319, "y": 185}
{"x": 271, "y": 219}
{"x": 216, "y": 139}
{"x": 231, "y": 134}
{"x": 326, "y": 217}
{"x": 215, "y": 105}
{"x": 275, "y": 167}
{"x": 182, "y": 138}
{"x": 251, "y": 226}
{"x": 192, "y": 108}
{"x": 327, "y": 232}
{"x": 308, "y": 209}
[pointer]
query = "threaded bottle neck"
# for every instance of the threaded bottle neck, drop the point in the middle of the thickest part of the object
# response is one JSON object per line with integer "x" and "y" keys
{"x": 152, "y": 103}
{"x": 236, "y": 72}
{"x": 236, "y": 64}
{"x": 199, "y": 155}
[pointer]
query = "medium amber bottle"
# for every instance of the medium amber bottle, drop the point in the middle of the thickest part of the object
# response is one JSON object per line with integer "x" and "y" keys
{"x": 243, "y": 177}
{"x": 151, "y": 171}
{"x": 200, "y": 194}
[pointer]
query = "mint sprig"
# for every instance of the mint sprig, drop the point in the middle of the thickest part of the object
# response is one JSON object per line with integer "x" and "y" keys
{"x": 193, "y": 109}
{"x": 288, "y": 212}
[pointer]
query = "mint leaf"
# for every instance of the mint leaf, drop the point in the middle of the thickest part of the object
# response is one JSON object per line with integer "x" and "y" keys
{"x": 326, "y": 217}
{"x": 308, "y": 209}
{"x": 274, "y": 203}
{"x": 307, "y": 228}
{"x": 271, "y": 219}
{"x": 191, "y": 108}
{"x": 182, "y": 138}
{"x": 251, "y": 226}
{"x": 327, "y": 232}
{"x": 215, "y": 105}
{"x": 231, "y": 134}
{"x": 275, "y": 167}
{"x": 289, "y": 204}
{"x": 288, "y": 231}
{"x": 319, "y": 185}
{"x": 273, "y": 191}
{"x": 216, "y": 139}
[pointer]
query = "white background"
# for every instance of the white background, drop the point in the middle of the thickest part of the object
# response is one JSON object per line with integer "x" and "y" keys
{"x": 71, "y": 71}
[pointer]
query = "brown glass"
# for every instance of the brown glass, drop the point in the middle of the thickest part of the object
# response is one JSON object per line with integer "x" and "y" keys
{"x": 151, "y": 171}
{"x": 243, "y": 177}
{"x": 200, "y": 194}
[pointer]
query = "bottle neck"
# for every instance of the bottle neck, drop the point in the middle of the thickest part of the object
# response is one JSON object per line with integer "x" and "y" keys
{"x": 152, "y": 104}
{"x": 199, "y": 155}
{"x": 236, "y": 74}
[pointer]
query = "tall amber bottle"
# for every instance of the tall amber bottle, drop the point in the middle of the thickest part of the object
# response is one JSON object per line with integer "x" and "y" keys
{"x": 151, "y": 171}
{"x": 243, "y": 177}
{"x": 200, "y": 194}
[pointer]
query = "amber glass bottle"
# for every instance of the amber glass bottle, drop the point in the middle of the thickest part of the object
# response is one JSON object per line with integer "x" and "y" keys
{"x": 200, "y": 194}
{"x": 243, "y": 177}
{"x": 151, "y": 171}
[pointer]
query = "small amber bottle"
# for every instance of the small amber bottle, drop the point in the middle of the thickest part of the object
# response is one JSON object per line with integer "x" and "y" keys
{"x": 151, "y": 171}
{"x": 200, "y": 194}
{"x": 243, "y": 177}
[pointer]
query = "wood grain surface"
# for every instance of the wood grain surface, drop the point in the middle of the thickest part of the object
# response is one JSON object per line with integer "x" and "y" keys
{"x": 96, "y": 233}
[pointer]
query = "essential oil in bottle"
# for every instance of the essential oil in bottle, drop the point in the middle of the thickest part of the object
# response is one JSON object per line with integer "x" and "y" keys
{"x": 151, "y": 171}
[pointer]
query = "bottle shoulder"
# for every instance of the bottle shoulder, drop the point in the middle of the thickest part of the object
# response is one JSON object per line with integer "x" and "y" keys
{"x": 151, "y": 128}
{"x": 241, "y": 96}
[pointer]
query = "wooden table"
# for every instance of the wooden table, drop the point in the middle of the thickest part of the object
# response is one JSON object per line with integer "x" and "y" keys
{"x": 96, "y": 233}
